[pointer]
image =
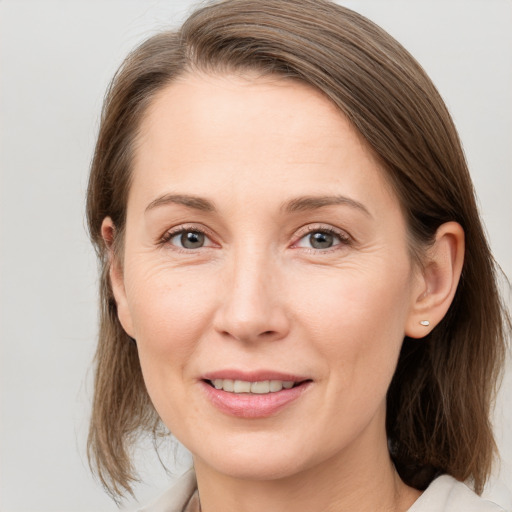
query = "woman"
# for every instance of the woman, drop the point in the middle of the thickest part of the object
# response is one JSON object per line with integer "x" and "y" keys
{"x": 295, "y": 279}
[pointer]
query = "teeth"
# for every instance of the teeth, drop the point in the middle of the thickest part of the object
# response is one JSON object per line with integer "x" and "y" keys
{"x": 260, "y": 388}
{"x": 275, "y": 385}
{"x": 228, "y": 385}
{"x": 242, "y": 386}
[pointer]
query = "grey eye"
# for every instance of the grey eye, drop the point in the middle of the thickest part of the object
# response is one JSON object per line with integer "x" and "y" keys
{"x": 189, "y": 239}
{"x": 321, "y": 240}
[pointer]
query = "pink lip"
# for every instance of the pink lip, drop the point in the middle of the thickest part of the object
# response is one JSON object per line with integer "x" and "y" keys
{"x": 247, "y": 405}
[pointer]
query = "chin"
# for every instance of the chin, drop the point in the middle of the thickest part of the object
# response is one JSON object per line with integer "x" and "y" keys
{"x": 252, "y": 459}
{"x": 254, "y": 468}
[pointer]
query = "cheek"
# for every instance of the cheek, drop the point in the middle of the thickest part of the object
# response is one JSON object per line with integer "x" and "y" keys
{"x": 170, "y": 310}
{"x": 358, "y": 321}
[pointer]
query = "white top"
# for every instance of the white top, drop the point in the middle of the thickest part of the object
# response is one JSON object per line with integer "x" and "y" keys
{"x": 444, "y": 494}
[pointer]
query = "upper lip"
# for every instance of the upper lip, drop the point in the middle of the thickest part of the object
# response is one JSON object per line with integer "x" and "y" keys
{"x": 253, "y": 376}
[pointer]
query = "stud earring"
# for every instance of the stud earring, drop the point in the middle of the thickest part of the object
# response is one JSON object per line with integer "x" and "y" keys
{"x": 425, "y": 323}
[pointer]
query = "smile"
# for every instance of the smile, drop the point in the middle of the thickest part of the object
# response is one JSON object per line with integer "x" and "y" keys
{"x": 259, "y": 387}
{"x": 260, "y": 395}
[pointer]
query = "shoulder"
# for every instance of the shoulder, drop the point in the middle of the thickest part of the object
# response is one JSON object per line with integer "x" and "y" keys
{"x": 176, "y": 498}
{"x": 445, "y": 494}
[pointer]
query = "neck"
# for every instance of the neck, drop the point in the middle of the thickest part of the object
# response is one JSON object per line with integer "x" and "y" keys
{"x": 357, "y": 480}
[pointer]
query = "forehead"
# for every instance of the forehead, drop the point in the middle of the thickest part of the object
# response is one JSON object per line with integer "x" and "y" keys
{"x": 229, "y": 108}
{"x": 245, "y": 131}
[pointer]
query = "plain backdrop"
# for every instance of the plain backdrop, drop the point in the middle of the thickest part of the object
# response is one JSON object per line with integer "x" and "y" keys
{"x": 56, "y": 59}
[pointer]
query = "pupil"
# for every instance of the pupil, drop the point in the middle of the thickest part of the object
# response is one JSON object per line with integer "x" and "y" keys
{"x": 192, "y": 239}
{"x": 321, "y": 240}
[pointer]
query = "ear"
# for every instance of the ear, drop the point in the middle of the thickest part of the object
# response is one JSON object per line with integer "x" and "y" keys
{"x": 108, "y": 232}
{"x": 437, "y": 280}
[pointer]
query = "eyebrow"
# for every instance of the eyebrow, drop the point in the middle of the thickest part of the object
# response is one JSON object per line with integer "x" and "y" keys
{"x": 194, "y": 202}
{"x": 314, "y": 202}
{"x": 298, "y": 204}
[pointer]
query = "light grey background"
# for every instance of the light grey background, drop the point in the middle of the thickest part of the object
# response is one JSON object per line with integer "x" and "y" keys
{"x": 56, "y": 59}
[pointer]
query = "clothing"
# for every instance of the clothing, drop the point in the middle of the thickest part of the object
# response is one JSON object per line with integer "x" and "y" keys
{"x": 444, "y": 494}
{"x": 177, "y": 497}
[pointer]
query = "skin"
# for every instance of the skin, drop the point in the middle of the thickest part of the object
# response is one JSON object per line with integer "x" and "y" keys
{"x": 257, "y": 295}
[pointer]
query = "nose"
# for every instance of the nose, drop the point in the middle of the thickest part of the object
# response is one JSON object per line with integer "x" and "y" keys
{"x": 251, "y": 305}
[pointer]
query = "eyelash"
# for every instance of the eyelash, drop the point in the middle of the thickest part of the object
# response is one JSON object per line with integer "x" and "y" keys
{"x": 344, "y": 238}
{"x": 169, "y": 235}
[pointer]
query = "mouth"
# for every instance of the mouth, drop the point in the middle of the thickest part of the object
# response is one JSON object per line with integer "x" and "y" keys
{"x": 261, "y": 387}
{"x": 260, "y": 395}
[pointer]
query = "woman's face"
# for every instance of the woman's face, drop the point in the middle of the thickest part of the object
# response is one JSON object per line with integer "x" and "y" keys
{"x": 263, "y": 245}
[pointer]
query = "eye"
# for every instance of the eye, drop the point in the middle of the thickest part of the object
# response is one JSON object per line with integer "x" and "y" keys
{"x": 321, "y": 239}
{"x": 188, "y": 239}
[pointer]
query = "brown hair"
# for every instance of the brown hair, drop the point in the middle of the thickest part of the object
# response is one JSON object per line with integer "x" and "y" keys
{"x": 440, "y": 397}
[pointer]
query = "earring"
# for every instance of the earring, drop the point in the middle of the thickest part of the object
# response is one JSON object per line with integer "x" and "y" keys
{"x": 425, "y": 323}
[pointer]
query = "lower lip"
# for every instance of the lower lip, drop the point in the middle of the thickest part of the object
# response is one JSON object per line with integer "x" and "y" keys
{"x": 249, "y": 405}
